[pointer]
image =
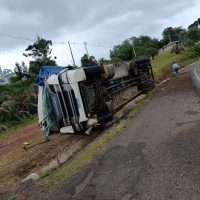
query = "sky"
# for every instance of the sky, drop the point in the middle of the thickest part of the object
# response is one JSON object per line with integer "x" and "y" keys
{"x": 102, "y": 24}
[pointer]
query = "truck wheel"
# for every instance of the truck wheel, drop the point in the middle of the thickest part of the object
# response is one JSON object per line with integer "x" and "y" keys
{"x": 147, "y": 87}
{"x": 80, "y": 127}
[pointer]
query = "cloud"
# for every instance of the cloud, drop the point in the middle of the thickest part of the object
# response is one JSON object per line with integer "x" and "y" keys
{"x": 99, "y": 22}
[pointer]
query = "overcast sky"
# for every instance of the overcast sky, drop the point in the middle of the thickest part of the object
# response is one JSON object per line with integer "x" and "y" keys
{"x": 101, "y": 24}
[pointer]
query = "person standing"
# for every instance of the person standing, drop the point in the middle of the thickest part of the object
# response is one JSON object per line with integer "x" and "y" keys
{"x": 175, "y": 67}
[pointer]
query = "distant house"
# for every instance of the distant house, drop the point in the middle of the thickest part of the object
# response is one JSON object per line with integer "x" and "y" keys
{"x": 169, "y": 46}
{"x": 5, "y": 76}
{"x": 9, "y": 76}
{"x": 3, "y": 80}
{"x": 7, "y": 72}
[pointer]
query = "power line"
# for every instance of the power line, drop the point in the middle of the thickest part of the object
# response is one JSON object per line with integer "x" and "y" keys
{"x": 16, "y": 37}
{"x": 55, "y": 42}
{"x": 98, "y": 45}
{"x": 90, "y": 44}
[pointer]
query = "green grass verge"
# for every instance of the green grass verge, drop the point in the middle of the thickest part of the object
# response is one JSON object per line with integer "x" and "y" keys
{"x": 13, "y": 197}
{"x": 19, "y": 126}
{"x": 95, "y": 148}
{"x": 165, "y": 60}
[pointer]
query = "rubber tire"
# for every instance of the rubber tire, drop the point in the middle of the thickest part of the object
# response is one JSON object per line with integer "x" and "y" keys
{"x": 80, "y": 127}
{"x": 147, "y": 87}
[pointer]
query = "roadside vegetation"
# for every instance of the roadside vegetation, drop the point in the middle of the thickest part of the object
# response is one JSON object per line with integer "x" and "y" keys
{"x": 18, "y": 101}
{"x": 162, "y": 64}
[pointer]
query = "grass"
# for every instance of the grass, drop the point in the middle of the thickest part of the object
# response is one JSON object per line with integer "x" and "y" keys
{"x": 44, "y": 175}
{"x": 16, "y": 97}
{"x": 132, "y": 113}
{"x": 165, "y": 60}
{"x": 13, "y": 197}
{"x": 19, "y": 126}
{"x": 95, "y": 148}
{"x": 16, "y": 88}
{"x": 13, "y": 124}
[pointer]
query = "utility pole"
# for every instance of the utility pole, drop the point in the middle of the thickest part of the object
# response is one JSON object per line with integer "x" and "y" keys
{"x": 85, "y": 44}
{"x": 71, "y": 54}
{"x": 133, "y": 50}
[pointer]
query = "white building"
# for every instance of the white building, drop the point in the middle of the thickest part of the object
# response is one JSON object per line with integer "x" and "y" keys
{"x": 3, "y": 79}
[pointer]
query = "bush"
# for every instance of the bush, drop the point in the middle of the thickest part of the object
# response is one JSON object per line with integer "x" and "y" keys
{"x": 194, "y": 51}
{"x": 17, "y": 101}
{"x": 189, "y": 43}
{"x": 14, "y": 79}
{"x": 177, "y": 49}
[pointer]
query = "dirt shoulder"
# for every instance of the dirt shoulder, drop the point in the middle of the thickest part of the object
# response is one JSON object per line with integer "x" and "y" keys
{"x": 16, "y": 163}
{"x": 156, "y": 156}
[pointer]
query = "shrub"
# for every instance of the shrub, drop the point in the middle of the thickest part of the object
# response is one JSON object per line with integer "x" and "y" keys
{"x": 194, "y": 51}
{"x": 17, "y": 101}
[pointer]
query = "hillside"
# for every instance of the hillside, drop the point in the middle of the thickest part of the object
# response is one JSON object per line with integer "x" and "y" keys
{"x": 162, "y": 63}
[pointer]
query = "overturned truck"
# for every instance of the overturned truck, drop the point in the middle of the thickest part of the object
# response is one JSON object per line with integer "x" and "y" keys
{"x": 77, "y": 99}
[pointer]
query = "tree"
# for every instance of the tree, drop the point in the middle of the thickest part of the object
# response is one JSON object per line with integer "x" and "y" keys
{"x": 20, "y": 70}
{"x": 193, "y": 35}
{"x": 144, "y": 46}
{"x": 123, "y": 51}
{"x": 87, "y": 57}
{"x": 103, "y": 61}
{"x": 34, "y": 66}
{"x": 151, "y": 51}
{"x": 40, "y": 48}
{"x": 194, "y": 51}
{"x": 173, "y": 34}
{"x": 87, "y": 60}
{"x": 41, "y": 52}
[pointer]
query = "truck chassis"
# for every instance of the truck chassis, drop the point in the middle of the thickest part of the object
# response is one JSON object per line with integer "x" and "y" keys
{"x": 78, "y": 99}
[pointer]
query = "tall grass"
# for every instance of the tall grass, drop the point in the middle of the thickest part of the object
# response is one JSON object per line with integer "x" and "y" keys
{"x": 17, "y": 102}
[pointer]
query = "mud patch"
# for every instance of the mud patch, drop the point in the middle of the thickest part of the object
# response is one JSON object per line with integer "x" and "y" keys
{"x": 16, "y": 163}
{"x": 188, "y": 122}
{"x": 191, "y": 112}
